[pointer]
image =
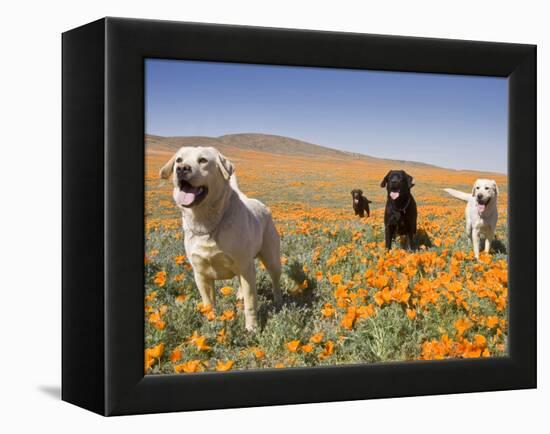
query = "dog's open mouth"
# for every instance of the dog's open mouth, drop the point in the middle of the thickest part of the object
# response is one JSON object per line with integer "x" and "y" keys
{"x": 482, "y": 204}
{"x": 188, "y": 195}
{"x": 394, "y": 194}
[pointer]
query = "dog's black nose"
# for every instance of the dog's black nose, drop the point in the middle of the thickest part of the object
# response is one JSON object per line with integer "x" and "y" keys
{"x": 480, "y": 196}
{"x": 186, "y": 168}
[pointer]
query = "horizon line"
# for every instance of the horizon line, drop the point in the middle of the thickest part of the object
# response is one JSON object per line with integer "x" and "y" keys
{"x": 334, "y": 149}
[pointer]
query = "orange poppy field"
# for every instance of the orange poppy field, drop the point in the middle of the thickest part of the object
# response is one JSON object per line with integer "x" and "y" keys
{"x": 346, "y": 299}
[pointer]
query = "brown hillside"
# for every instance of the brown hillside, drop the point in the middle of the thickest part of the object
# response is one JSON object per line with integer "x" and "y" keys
{"x": 280, "y": 145}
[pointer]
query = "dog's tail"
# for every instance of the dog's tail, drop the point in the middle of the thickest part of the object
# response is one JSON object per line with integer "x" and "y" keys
{"x": 458, "y": 194}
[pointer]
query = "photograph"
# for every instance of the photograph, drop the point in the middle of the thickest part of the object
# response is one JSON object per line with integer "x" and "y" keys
{"x": 247, "y": 216}
{"x": 305, "y": 216}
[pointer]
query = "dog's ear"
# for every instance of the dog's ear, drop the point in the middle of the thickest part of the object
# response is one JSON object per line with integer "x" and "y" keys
{"x": 495, "y": 186}
{"x": 474, "y": 190}
{"x": 360, "y": 192}
{"x": 409, "y": 180}
{"x": 226, "y": 167}
{"x": 352, "y": 191}
{"x": 168, "y": 168}
{"x": 385, "y": 180}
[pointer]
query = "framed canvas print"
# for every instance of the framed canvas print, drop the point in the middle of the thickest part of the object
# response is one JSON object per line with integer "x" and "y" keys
{"x": 257, "y": 216}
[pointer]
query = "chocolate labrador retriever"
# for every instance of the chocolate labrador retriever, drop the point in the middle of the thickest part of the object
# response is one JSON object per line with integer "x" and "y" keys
{"x": 360, "y": 203}
{"x": 400, "y": 215}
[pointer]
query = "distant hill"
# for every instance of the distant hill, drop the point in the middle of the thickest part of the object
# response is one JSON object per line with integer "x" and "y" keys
{"x": 250, "y": 142}
{"x": 273, "y": 144}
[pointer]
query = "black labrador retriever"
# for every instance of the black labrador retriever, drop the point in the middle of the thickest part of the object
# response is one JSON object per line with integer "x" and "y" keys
{"x": 360, "y": 203}
{"x": 400, "y": 215}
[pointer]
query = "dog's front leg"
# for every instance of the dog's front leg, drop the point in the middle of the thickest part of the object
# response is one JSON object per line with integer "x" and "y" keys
{"x": 248, "y": 290}
{"x": 409, "y": 241}
{"x": 389, "y": 236}
{"x": 206, "y": 289}
{"x": 488, "y": 241}
{"x": 240, "y": 295}
{"x": 475, "y": 242}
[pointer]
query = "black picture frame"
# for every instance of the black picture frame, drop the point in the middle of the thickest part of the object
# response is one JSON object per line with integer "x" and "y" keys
{"x": 103, "y": 215}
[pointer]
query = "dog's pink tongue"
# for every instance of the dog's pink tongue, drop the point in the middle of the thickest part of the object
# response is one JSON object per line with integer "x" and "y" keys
{"x": 481, "y": 207}
{"x": 185, "y": 197}
{"x": 394, "y": 195}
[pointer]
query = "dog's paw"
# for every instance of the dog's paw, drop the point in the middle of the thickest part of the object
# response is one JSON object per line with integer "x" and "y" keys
{"x": 251, "y": 328}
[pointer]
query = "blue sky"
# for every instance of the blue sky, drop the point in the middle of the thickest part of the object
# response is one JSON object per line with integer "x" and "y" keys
{"x": 448, "y": 120}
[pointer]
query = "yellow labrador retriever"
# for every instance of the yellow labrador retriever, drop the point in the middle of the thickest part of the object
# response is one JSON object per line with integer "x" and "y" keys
{"x": 224, "y": 230}
{"x": 481, "y": 212}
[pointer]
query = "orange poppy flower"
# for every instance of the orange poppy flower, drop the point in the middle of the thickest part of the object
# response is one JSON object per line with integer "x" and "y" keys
{"x": 179, "y": 277}
{"x": 188, "y": 367}
{"x": 259, "y": 354}
{"x": 472, "y": 353}
{"x": 328, "y": 310}
{"x": 461, "y": 325}
{"x": 226, "y": 290}
{"x": 151, "y": 296}
{"x": 200, "y": 343}
{"x": 154, "y": 317}
{"x": 293, "y": 345}
{"x": 328, "y": 350}
{"x": 175, "y": 355}
{"x": 151, "y": 354}
{"x": 317, "y": 338}
{"x": 148, "y": 363}
{"x": 204, "y": 308}
{"x": 160, "y": 325}
{"x": 411, "y": 313}
{"x": 156, "y": 351}
{"x": 349, "y": 318}
{"x": 222, "y": 367}
{"x": 367, "y": 311}
{"x": 160, "y": 278}
{"x": 378, "y": 298}
{"x": 492, "y": 321}
{"x": 227, "y": 315}
{"x": 335, "y": 279}
{"x": 480, "y": 341}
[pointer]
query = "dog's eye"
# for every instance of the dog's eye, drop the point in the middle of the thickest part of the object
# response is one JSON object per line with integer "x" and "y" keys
{"x": 477, "y": 188}
{"x": 203, "y": 160}
{"x": 486, "y": 188}
{"x": 178, "y": 160}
